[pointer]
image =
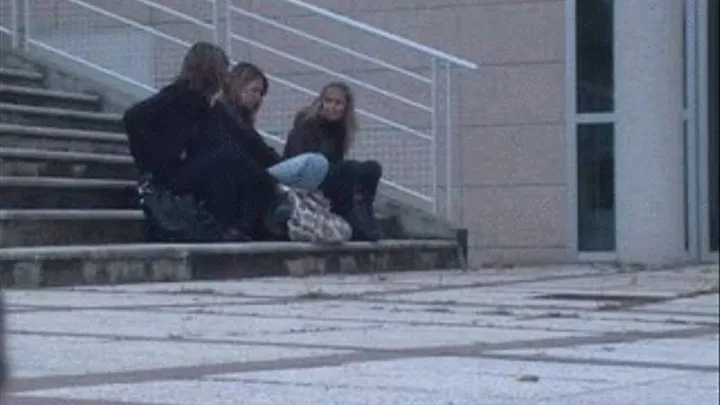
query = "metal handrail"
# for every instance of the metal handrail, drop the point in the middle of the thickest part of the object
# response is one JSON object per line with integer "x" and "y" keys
{"x": 140, "y": 26}
{"x": 176, "y": 13}
{"x": 432, "y": 52}
{"x": 329, "y": 44}
{"x": 331, "y": 72}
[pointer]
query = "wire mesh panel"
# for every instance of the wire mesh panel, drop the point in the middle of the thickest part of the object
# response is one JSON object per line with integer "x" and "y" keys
{"x": 140, "y": 41}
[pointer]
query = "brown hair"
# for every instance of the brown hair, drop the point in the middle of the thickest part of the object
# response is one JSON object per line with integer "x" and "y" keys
{"x": 349, "y": 121}
{"x": 241, "y": 74}
{"x": 245, "y": 72}
{"x": 204, "y": 68}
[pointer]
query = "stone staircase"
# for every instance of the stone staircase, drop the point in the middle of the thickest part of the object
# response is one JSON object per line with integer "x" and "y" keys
{"x": 68, "y": 213}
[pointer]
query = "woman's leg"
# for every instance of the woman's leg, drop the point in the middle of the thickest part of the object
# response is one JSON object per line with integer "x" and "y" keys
{"x": 369, "y": 174}
{"x": 235, "y": 193}
{"x": 306, "y": 171}
{"x": 343, "y": 187}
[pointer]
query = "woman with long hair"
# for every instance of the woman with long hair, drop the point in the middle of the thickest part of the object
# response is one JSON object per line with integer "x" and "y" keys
{"x": 171, "y": 139}
{"x": 242, "y": 98}
{"x": 328, "y": 126}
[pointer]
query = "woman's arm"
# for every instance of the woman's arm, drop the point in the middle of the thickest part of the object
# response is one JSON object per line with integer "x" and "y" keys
{"x": 266, "y": 155}
{"x": 303, "y": 137}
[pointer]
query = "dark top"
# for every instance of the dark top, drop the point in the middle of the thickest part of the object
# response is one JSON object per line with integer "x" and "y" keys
{"x": 316, "y": 134}
{"x": 166, "y": 128}
{"x": 237, "y": 126}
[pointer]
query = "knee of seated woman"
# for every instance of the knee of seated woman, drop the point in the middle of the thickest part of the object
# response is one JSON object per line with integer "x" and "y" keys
{"x": 372, "y": 168}
{"x": 316, "y": 163}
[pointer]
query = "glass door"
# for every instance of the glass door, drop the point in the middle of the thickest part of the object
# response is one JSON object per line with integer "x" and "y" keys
{"x": 711, "y": 166}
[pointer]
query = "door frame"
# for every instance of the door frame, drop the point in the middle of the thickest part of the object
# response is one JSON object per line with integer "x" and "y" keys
{"x": 703, "y": 131}
{"x": 697, "y": 118}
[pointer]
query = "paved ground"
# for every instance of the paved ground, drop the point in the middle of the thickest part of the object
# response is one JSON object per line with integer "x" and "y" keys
{"x": 485, "y": 337}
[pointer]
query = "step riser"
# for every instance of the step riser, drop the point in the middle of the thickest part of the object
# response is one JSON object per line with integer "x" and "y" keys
{"x": 216, "y": 267}
{"x": 23, "y": 232}
{"x": 66, "y": 198}
{"x": 13, "y": 80}
{"x": 42, "y": 232}
{"x": 25, "y": 118}
{"x": 69, "y": 170}
{"x": 55, "y": 102}
{"x": 55, "y": 144}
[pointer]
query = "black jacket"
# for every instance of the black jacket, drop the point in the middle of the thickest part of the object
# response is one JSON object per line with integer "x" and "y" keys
{"x": 166, "y": 128}
{"x": 236, "y": 125}
{"x": 315, "y": 134}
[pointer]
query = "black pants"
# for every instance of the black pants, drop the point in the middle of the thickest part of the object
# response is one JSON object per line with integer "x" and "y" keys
{"x": 234, "y": 190}
{"x": 349, "y": 177}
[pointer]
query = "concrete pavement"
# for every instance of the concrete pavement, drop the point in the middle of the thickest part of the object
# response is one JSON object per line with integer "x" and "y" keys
{"x": 563, "y": 336}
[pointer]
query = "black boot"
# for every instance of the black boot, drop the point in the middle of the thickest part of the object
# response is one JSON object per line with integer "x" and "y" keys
{"x": 362, "y": 219}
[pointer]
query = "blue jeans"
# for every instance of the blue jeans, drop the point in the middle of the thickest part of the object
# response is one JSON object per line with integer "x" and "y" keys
{"x": 305, "y": 171}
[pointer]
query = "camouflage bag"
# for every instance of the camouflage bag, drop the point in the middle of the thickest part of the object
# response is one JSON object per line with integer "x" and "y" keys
{"x": 312, "y": 220}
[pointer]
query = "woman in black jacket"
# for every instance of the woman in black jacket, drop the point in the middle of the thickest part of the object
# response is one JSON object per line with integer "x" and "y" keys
{"x": 242, "y": 98}
{"x": 328, "y": 126}
{"x": 233, "y": 129}
{"x": 172, "y": 138}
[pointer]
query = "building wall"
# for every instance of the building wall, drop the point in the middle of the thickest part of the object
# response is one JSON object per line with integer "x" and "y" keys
{"x": 509, "y": 137}
{"x": 510, "y": 143}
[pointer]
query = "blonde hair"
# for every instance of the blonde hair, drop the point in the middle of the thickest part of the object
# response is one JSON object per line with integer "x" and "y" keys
{"x": 244, "y": 73}
{"x": 349, "y": 120}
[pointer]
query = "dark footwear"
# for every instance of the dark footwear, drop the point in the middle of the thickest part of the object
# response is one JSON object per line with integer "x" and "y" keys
{"x": 363, "y": 221}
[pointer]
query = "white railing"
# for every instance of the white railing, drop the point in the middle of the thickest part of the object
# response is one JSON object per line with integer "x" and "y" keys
{"x": 403, "y": 87}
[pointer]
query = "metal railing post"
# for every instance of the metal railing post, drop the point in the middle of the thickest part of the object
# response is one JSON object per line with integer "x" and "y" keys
{"x": 26, "y": 24}
{"x": 220, "y": 22}
{"x": 14, "y": 26}
{"x": 448, "y": 142}
{"x": 435, "y": 133}
{"x": 228, "y": 27}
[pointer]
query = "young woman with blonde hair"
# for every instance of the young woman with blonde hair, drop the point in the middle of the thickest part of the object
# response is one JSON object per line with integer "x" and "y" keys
{"x": 233, "y": 129}
{"x": 328, "y": 126}
{"x": 242, "y": 98}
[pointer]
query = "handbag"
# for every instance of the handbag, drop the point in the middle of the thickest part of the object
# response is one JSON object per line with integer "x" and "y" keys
{"x": 175, "y": 218}
{"x": 313, "y": 221}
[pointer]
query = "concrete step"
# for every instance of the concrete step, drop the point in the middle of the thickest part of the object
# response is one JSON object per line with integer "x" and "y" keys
{"x": 49, "y": 98}
{"x": 60, "y": 118}
{"x": 34, "y": 162}
{"x": 66, "y": 193}
{"x": 20, "y": 77}
{"x": 37, "y": 227}
{"x": 44, "y": 225}
{"x": 62, "y": 139}
{"x": 124, "y": 263}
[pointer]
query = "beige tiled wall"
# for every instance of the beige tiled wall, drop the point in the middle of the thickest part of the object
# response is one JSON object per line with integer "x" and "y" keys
{"x": 509, "y": 137}
{"x": 510, "y": 144}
